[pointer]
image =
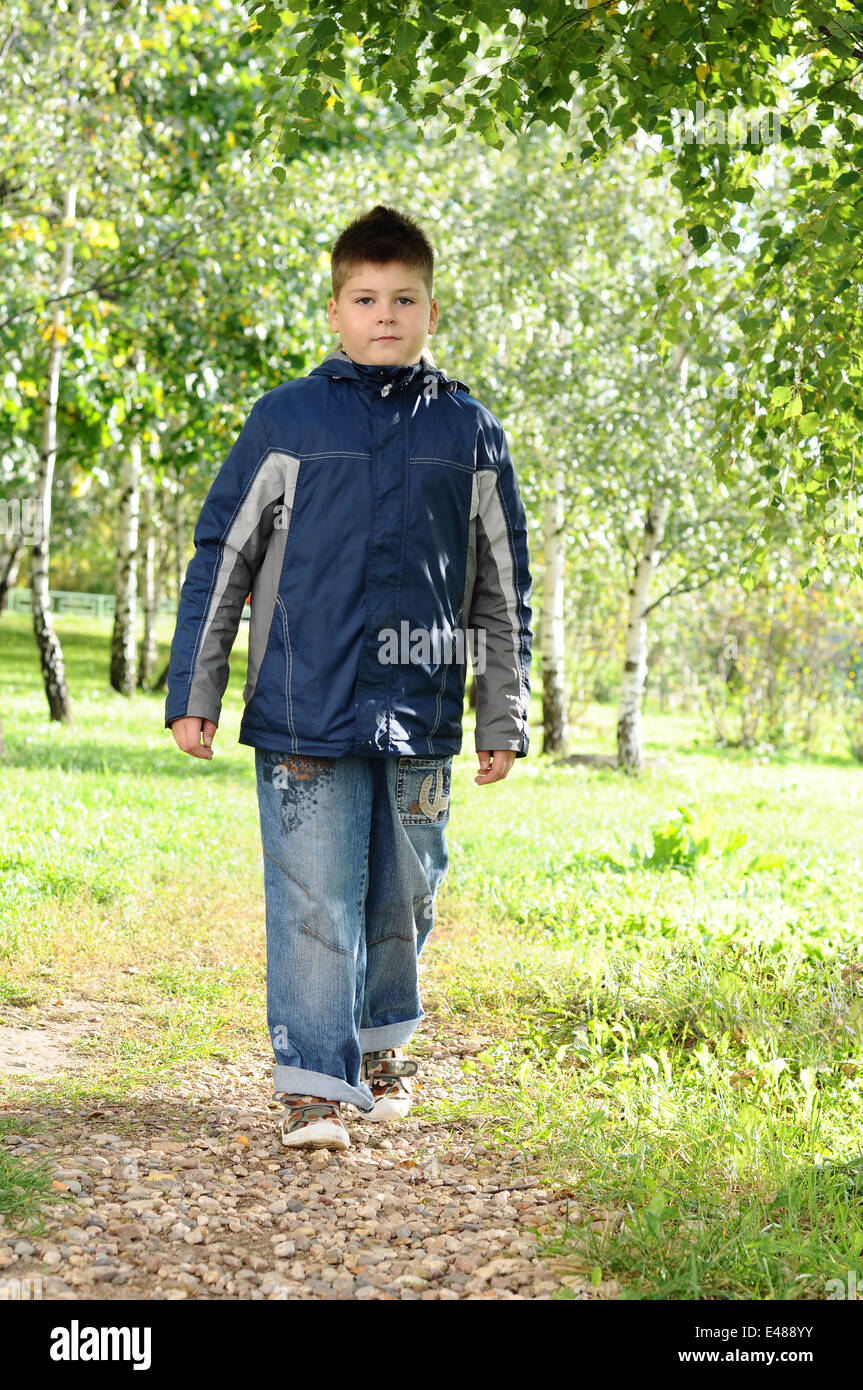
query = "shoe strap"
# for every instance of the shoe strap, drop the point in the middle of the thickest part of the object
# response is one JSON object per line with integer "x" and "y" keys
{"x": 318, "y": 1110}
{"x": 375, "y": 1064}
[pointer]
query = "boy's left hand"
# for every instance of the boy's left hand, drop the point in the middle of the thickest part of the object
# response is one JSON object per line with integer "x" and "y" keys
{"x": 494, "y": 765}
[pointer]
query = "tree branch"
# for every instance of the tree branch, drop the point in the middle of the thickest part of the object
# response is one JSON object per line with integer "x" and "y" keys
{"x": 100, "y": 285}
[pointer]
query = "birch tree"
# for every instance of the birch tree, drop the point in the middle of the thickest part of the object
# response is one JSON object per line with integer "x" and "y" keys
{"x": 124, "y": 672}
{"x": 149, "y": 583}
{"x": 630, "y": 750}
{"x": 47, "y": 641}
{"x": 10, "y": 562}
{"x": 554, "y": 697}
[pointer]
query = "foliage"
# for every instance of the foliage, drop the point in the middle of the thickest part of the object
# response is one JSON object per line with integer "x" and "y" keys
{"x": 777, "y": 661}
{"x": 681, "y": 841}
{"x": 755, "y": 110}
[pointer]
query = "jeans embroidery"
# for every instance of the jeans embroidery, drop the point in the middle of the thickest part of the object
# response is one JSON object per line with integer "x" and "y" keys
{"x": 431, "y": 806}
{"x": 423, "y": 790}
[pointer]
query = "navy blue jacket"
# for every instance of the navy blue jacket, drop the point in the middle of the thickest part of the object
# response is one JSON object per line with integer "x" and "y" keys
{"x": 374, "y": 515}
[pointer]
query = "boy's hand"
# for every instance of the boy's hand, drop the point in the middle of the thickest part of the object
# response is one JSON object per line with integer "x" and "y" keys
{"x": 187, "y": 735}
{"x": 496, "y": 770}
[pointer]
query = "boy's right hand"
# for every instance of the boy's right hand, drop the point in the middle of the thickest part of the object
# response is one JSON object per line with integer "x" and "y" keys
{"x": 187, "y": 735}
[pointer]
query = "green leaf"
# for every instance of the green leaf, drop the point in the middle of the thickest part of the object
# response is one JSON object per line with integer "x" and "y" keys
{"x": 765, "y": 861}
{"x": 810, "y": 138}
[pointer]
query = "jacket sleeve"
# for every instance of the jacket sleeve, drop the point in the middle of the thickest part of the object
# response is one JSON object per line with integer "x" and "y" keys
{"x": 231, "y": 537}
{"x": 500, "y": 613}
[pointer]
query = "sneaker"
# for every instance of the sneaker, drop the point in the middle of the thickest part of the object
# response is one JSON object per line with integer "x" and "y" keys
{"x": 386, "y": 1072}
{"x": 310, "y": 1122}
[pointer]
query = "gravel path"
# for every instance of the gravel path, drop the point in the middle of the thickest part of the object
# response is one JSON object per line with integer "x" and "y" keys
{"x": 204, "y": 1202}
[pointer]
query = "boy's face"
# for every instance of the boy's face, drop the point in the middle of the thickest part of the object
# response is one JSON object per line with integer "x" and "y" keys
{"x": 384, "y": 315}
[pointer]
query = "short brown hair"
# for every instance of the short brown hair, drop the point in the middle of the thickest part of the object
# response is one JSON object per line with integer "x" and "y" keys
{"x": 378, "y": 237}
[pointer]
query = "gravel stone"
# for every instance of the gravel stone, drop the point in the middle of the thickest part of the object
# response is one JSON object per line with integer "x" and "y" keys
{"x": 414, "y": 1211}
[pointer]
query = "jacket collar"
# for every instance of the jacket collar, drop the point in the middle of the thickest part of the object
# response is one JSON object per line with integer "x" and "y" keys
{"x": 338, "y": 364}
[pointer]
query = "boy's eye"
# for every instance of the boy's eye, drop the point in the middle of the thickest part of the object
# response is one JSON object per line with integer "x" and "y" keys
{"x": 363, "y": 299}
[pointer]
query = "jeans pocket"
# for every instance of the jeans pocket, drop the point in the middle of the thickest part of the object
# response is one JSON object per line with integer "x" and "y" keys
{"x": 423, "y": 790}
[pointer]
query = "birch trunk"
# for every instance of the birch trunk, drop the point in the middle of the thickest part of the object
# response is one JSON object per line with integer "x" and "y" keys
{"x": 149, "y": 591}
{"x": 164, "y": 555}
{"x": 47, "y": 641}
{"x": 630, "y": 746}
{"x": 163, "y": 536}
{"x": 124, "y": 639}
{"x": 9, "y": 566}
{"x": 630, "y": 749}
{"x": 555, "y": 731}
{"x": 124, "y": 674}
{"x": 180, "y": 536}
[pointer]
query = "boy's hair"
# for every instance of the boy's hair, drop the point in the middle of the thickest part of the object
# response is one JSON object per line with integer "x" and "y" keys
{"x": 378, "y": 237}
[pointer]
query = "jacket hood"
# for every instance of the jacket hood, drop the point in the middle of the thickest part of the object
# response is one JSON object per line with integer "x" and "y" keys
{"x": 338, "y": 364}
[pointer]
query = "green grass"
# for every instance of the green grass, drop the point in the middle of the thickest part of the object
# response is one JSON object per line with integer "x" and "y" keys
{"x": 25, "y": 1184}
{"x": 674, "y": 1003}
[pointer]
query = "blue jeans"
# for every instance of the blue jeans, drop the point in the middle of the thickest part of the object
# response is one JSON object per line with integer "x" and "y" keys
{"x": 354, "y": 853}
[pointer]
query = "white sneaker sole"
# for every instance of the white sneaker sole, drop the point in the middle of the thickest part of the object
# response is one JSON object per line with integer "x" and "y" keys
{"x": 389, "y": 1109}
{"x": 321, "y": 1134}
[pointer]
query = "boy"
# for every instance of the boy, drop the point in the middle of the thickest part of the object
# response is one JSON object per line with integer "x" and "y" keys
{"x": 371, "y": 507}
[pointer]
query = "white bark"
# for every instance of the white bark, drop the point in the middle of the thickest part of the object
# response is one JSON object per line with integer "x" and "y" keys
{"x": 10, "y": 563}
{"x": 630, "y": 750}
{"x": 124, "y": 673}
{"x": 630, "y": 746}
{"x": 554, "y": 710}
{"x": 149, "y": 589}
{"x": 180, "y": 536}
{"x": 47, "y": 641}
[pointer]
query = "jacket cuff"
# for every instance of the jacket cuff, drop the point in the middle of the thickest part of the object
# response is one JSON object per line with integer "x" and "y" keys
{"x": 197, "y": 712}
{"x": 489, "y": 741}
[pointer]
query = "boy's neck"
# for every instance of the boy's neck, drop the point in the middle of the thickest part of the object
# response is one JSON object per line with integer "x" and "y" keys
{"x": 383, "y": 366}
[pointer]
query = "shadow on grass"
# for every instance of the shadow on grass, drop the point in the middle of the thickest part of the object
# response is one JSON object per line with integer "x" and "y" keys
{"x": 781, "y": 757}
{"x": 86, "y": 654}
{"x": 88, "y": 754}
{"x": 666, "y": 757}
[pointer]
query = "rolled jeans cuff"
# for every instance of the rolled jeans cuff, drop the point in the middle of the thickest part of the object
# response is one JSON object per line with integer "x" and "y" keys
{"x": 389, "y": 1034}
{"x": 296, "y": 1081}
